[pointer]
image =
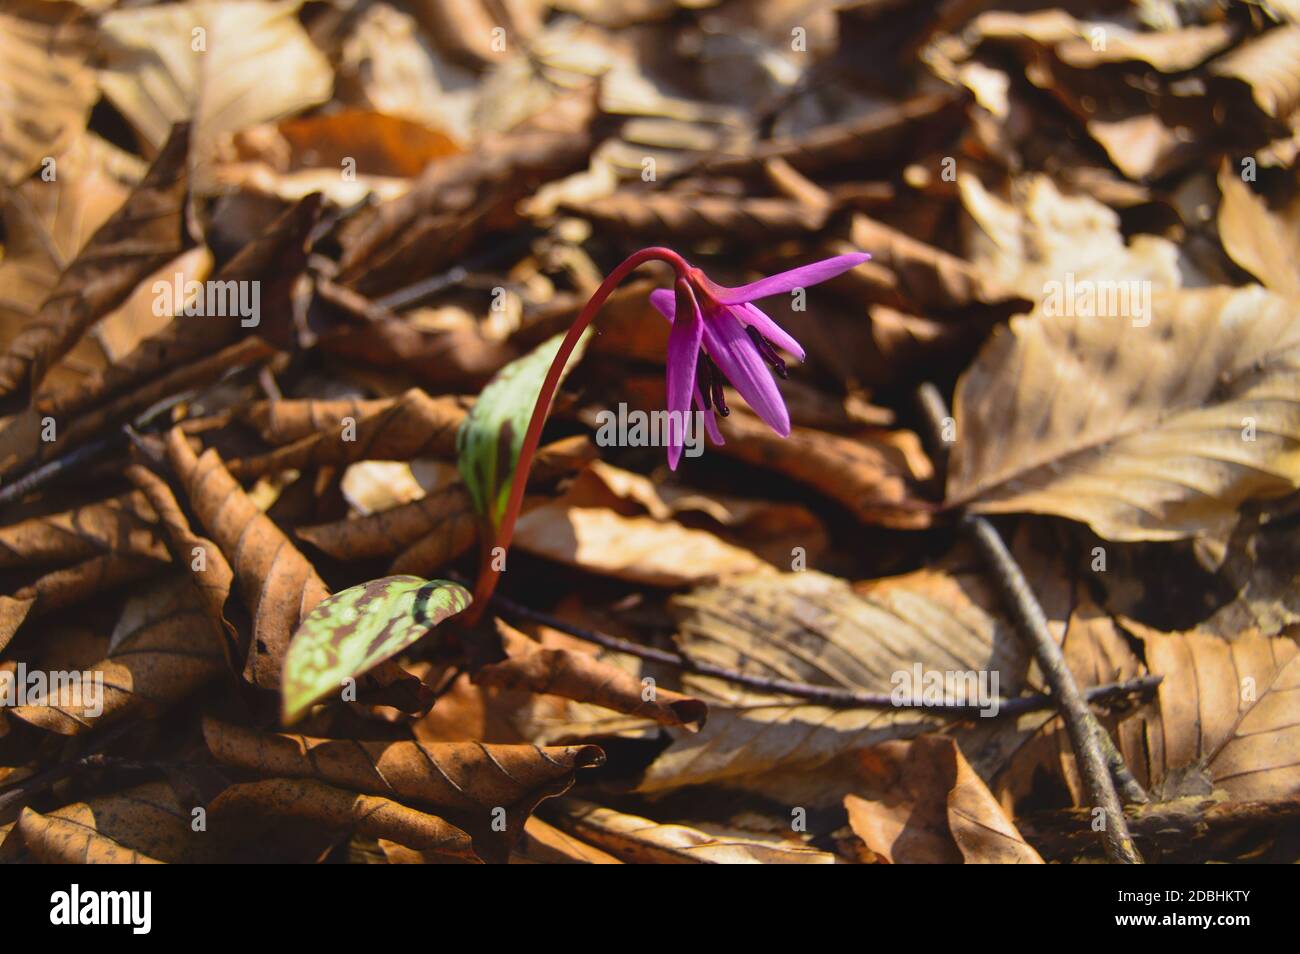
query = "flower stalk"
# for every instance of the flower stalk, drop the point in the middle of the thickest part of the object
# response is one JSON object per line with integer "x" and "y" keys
{"x": 499, "y": 543}
{"x": 718, "y": 334}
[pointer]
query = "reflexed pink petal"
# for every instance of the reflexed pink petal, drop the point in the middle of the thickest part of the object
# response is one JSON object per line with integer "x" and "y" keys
{"x": 683, "y": 353}
{"x": 769, "y": 329}
{"x": 738, "y": 359}
{"x": 800, "y": 277}
{"x": 664, "y": 301}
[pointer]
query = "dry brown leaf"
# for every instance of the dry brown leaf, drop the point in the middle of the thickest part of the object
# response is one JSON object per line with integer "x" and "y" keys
{"x": 48, "y": 90}
{"x": 889, "y": 133}
{"x": 131, "y": 826}
{"x": 639, "y": 840}
{"x": 584, "y": 678}
{"x": 874, "y": 476}
{"x": 769, "y": 529}
{"x": 640, "y": 549}
{"x": 682, "y": 217}
{"x": 61, "y": 841}
{"x": 1040, "y": 236}
{"x": 429, "y": 532}
{"x": 452, "y": 202}
{"x": 935, "y": 809}
{"x": 909, "y": 273}
{"x": 477, "y": 786}
{"x": 1265, "y": 72}
{"x": 334, "y": 808}
{"x": 812, "y": 628}
{"x": 71, "y": 585}
{"x": 47, "y": 223}
{"x": 125, "y": 525}
{"x": 1149, "y": 431}
{"x": 287, "y": 421}
{"x": 1228, "y": 717}
{"x": 148, "y": 231}
{"x": 415, "y": 425}
{"x": 1263, "y": 242}
{"x": 276, "y": 582}
{"x": 189, "y": 349}
{"x": 255, "y": 63}
{"x": 164, "y": 648}
{"x": 209, "y": 571}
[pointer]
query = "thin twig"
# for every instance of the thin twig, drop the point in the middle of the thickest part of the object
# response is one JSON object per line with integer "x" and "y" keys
{"x": 1031, "y": 623}
{"x": 25, "y": 788}
{"x": 830, "y": 696}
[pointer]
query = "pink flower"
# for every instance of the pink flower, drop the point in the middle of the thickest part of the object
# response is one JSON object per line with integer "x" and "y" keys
{"x": 723, "y": 335}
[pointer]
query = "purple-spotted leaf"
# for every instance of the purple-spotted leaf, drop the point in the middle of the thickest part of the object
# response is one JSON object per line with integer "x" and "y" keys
{"x": 353, "y": 631}
{"x": 491, "y": 437}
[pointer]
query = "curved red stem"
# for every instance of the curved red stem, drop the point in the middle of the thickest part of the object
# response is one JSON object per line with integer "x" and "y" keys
{"x": 488, "y": 575}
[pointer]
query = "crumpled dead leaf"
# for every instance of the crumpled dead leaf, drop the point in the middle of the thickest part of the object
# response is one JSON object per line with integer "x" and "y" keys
{"x": 487, "y": 790}
{"x": 935, "y": 810}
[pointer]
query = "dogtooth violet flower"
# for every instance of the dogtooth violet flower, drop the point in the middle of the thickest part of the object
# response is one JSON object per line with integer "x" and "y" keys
{"x": 719, "y": 335}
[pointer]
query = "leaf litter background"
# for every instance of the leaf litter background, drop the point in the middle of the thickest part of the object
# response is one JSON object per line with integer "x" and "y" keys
{"x": 979, "y": 152}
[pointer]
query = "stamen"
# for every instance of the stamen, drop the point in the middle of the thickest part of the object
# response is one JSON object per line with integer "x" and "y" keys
{"x": 704, "y": 379}
{"x": 767, "y": 352}
{"x": 715, "y": 384}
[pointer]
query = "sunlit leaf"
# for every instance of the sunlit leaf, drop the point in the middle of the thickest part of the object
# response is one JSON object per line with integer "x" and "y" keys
{"x": 353, "y": 631}
{"x": 491, "y": 438}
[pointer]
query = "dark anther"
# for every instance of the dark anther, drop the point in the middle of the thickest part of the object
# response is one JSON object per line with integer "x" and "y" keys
{"x": 704, "y": 380}
{"x": 719, "y": 399}
{"x": 767, "y": 352}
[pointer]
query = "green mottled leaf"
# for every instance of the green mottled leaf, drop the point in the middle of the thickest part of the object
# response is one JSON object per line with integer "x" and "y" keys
{"x": 491, "y": 437}
{"x": 351, "y": 632}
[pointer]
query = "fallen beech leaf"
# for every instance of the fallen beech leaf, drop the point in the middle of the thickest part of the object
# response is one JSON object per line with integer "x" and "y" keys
{"x": 415, "y": 425}
{"x": 812, "y": 628}
{"x": 287, "y": 421}
{"x": 1227, "y": 716}
{"x": 256, "y": 63}
{"x": 321, "y": 804}
{"x": 209, "y": 571}
{"x": 584, "y": 678}
{"x": 165, "y": 647}
{"x": 888, "y": 133}
{"x": 909, "y": 273}
{"x": 274, "y": 579}
{"x": 477, "y": 787}
{"x": 446, "y": 516}
{"x": 545, "y": 844}
{"x": 347, "y": 634}
{"x": 874, "y": 476}
{"x": 640, "y": 549}
{"x": 47, "y": 224}
{"x": 120, "y": 525}
{"x": 453, "y": 201}
{"x": 1147, "y": 432}
{"x": 12, "y": 613}
{"x": 48, "y": 89}
{"x": 55, "y": 841}
{"x": 685, "y": 216}
{"x": 639, "y": 840}
{"x": 427, "y": 533}
{"x": 66, "y": 587}
{"x": 148, "y": 822}
{"x": 273, "y": 260}
{"x": 1264, "y": 72}
{"x": 1263, "y": 242}
{"x": 146, "y": 232}
{"x": 937, "y": 810}
{"x": 1039, "y": 238}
